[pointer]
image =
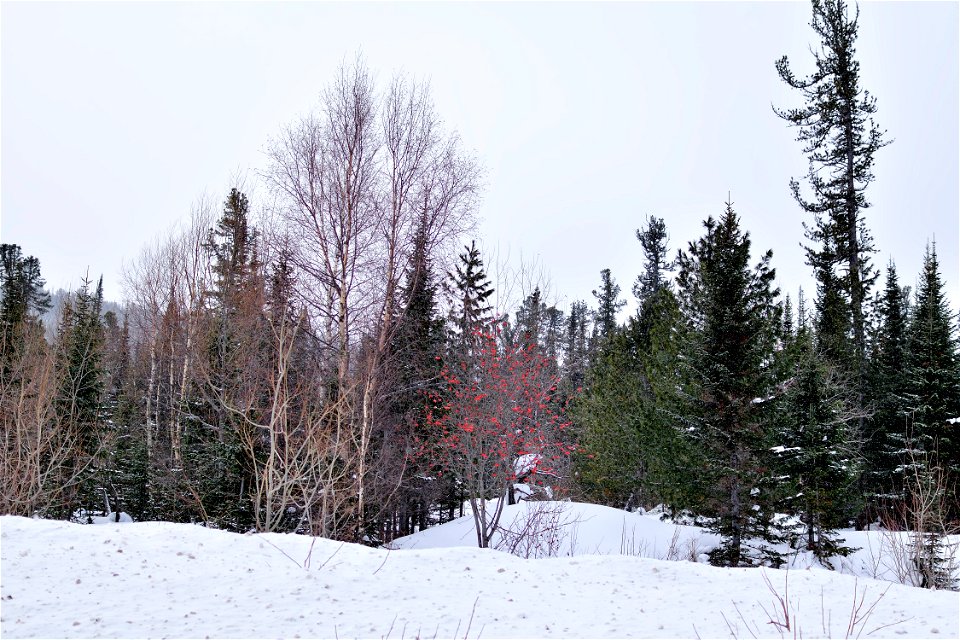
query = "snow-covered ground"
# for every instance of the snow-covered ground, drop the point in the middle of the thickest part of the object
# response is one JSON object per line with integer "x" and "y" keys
{"x": 152, "y": 579}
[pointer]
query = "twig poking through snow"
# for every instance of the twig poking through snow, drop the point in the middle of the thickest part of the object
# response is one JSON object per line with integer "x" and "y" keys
{"x": 332, "y": 555}
{"x": 384, "y": 561}
{"x": 856, "y": 617}
{"x": 470, "y": 622}
{"x": 283, "y": 552}
{"x": 745, "y": 623}
{"x": 390, "y": 630}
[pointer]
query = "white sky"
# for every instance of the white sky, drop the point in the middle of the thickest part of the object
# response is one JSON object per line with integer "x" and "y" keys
{"x": 116, "y": 117}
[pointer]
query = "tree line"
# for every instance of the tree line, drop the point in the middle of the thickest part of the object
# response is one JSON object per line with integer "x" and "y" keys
{"x": 336, "y": 366}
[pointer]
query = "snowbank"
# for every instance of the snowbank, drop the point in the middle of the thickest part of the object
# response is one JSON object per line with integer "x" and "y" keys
{"x": 575, "y": 529}
{"x": 59, "y": 579}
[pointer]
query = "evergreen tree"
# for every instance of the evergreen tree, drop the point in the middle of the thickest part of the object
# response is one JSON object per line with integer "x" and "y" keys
{"x": 530, "y": 320}
{"x": 886, "y": 426}
{"x": 653, "y": 242}
{"x": 472, "y": 310}
{"x": 417, "y": 351}
{"x": 279, "y": 297}
{"x": 233, "y": 247}
{"x": 933, "y": 385}
{"x": 732, "y": 318}
{"x": 786, "y": 320}
{"x": 832, "y": 319}
{"x": 610, "y": 415}
{"x": 81, "y": 347}
{"x": 653, "y": 280}
{"x": 633, "y": 452}
{"x": 22, "y": 297}
{"x": 80, "y": 354}
{"x": 840, "y": 138}
{"x": 928, "y": 448}
{"x": 670, "y": 450}
{"x": 553, "y": 335}
{"x": 470, "y": 319}
{"x": 608, "y": 305}
{"x": 129, "y": 464}
{"x": 216, "y": 464}
{"x": 817, "y": 449}
{"x": 575, "y": 351}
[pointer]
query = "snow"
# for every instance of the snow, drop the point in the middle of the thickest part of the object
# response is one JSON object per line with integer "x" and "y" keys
{"x": 585, "y": 529}
{"x": 110, "y": 518}
{"x": 525, "y": 464}
{"x": 782, "y": 449}
{"x": 607, "y": 577}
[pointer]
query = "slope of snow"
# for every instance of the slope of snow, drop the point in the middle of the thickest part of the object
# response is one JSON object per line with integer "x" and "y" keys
{"x": 59, "y": 579}
{"x": 574, "y": 529}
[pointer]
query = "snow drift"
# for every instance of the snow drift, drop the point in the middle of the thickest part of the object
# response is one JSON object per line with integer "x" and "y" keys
{"x": 59, "y": 579}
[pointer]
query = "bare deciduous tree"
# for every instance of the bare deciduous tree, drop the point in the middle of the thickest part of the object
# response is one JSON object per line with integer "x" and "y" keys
{"x": 353, "y": 195}
{"x": 36, "y": 461}
{"x": 165, "y": 287}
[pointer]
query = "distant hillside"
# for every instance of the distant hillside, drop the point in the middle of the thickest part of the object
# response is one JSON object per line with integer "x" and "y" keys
{"x": 58, "y": 299}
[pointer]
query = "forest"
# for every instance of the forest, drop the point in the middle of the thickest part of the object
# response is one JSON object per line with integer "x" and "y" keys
{"x": 333, "y": 361}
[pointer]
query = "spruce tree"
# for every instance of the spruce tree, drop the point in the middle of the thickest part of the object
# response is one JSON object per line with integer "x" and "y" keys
{"x": 731, "y": 313}
{"x": 633, "y": 450}
{"x": 933, "y": 369}
{"x": 471, "y": 312}
{"x": 81, "y": 375}
{"x": 832, "y": 319}
{"x": 928, "y": 448}
{"x": 129, "y": 464}
{"x": 786, "y": 319}
{"x": 840, "y": 138}
{"x": 233, "y": 246}
{"x": 471, "y": 320}
{"x": 887, "y": 378}
{"x": 215, "y": 462}
{"x": 609, "y": 415}
{"x": 818, "y": 448}
{"x": 81, "y": 347}
{"x": 575, "y": 350}
{"x": 416, "y": 357}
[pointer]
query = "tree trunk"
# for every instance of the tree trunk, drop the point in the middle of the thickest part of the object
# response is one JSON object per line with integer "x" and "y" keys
{"x": 736, "y": 527}
{"x": 151, "y": 405}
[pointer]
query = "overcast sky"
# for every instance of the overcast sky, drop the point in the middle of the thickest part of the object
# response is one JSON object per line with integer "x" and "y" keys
{"x": 117, "y": 117}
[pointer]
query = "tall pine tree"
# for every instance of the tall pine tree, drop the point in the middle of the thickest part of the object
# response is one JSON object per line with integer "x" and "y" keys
{"x": 839, "y": 135}
{"x": 608, "y": 306}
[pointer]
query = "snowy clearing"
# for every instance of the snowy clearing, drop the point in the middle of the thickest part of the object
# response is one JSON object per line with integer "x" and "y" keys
{"x": 155, "y": 579}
